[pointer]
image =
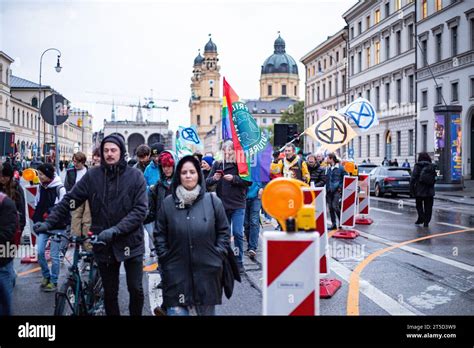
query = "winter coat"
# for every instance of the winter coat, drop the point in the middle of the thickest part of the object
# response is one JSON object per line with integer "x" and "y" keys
{"x": 192, "y": 243}
{"x": 8, "y": 222}
{"x": 335, "y": 178}
{"x": 151, "y": 174}
{"x": 140, "y": 166}
{"x": 232, "y": 193}
{"x": 317, "y": 175}
{"x": 47, "y": 197}
{"x": 156, "y": 195}
{"x": 297, "y": 171}
{"x": 117, "y": 198}
{"x": 19, "y": 203}
{"x": 420, "y": 189}
{"x": 70, "y": 179}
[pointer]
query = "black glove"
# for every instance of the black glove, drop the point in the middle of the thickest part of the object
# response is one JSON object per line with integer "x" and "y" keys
{"x": 107, "y": 235}
{"x": 40, "y": 227}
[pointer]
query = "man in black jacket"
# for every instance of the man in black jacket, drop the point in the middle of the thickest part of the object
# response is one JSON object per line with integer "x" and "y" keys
{"x": 8, "y": 220}
{"x": 232, "y": 190}
{"x": 118, "y": 203}
{"x": 316, "y": 173}
{"x": 422, "y": 186}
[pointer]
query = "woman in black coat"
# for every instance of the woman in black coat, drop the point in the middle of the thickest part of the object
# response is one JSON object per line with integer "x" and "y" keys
{"x": 422, "y": 184}
{"x": 192, "y": 238}
{"x": 11, "y": 187}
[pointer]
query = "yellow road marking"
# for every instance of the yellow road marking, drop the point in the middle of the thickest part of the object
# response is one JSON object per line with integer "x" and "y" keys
{"x": 33, "y": 270}
{"x": 353, "y": 294}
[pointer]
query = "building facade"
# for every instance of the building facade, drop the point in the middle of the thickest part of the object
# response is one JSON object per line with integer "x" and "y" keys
{"x": 445, "y": 33}
{"x": 382, "y": 69}
{"x": 326, "y": 80}
{"x": 205, "y": 101}
{"x": 19, "y": 113}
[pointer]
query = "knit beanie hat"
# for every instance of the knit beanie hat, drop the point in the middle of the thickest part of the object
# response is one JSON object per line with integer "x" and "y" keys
{"x": 209, "y": 160}
{"x": 47, "y": 169}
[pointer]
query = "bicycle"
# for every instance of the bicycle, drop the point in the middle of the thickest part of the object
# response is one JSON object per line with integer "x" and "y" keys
{"x": 78, "y": 297}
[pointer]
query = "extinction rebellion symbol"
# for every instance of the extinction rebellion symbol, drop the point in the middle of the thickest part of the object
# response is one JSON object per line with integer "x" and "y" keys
{"x": 332, "y": 131}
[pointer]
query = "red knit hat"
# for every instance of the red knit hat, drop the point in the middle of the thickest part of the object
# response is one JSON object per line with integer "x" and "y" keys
{"x": 166, "y": 159}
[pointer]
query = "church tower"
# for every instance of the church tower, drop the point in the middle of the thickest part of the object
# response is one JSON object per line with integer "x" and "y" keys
{"x": 205, "y": 102}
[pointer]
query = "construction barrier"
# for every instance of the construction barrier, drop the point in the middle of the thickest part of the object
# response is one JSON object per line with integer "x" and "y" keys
{"x": 30, "y": 194}
{"x": 348, "y": 209}
{"x": 363, "y": 200}
{"x": 317, "y": 197}
{"x": 291, "y": 273}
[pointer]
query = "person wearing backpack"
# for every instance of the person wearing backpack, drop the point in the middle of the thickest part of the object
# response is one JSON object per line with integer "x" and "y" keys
{"x": 8, "y": 224}
{"x": 422, "y": 184}
{"x": 292, "y": 166}
{"x": 50, "y": 192}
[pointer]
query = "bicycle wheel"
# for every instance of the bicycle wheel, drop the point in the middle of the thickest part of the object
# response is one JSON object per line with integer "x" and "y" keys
{"x": 66, "y": 299}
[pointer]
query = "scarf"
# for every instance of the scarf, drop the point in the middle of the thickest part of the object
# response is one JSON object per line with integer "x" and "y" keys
{"x": 187, "y": 196}
{"x": 287, "y": 173}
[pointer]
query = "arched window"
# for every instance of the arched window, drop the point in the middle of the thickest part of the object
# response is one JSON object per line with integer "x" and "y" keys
{"x": 28, "y": 120}
{"x": 13, "y": 115}
{"x": 1, "y": 72}
{"x": 198, "y": 120}
{"x": 23, "y": 118}
{"x": 34, "y": 102}
{"x": 210, "y": 119}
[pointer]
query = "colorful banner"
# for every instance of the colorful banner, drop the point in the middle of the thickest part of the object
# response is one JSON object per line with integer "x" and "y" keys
{"x": 439, "y": 132}
{"x": 456, "y": 148}
{"x": 331, "y": 131}
{"x": 250, "y": 144}
{"x": 181, "y": 148}
{"x": 362, "y": 112}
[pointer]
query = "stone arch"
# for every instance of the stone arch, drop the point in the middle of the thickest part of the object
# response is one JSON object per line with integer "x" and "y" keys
{"x": 155, "y": 138}
{"x": 134, "y": 140}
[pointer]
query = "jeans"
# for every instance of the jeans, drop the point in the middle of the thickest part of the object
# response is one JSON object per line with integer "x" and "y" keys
{"x": 424, "y": 207}
{"x": 334, "y": 206}
{"x": 149, "y": 229}
{"x": 186, "y": 311}
{"x": 7, "y": 281}
{"x": 252, "y": 222}
{"x": 110, "y": 274}
{"x": 236, "y": 221}
{"x": 55, "y": 247}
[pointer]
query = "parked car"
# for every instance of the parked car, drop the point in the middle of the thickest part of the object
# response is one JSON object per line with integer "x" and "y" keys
{"x": 390, "y": 180}
{"x": 366, "y": 168}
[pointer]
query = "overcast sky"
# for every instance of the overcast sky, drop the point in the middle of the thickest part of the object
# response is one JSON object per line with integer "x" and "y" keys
{"x": 127, "y": 48}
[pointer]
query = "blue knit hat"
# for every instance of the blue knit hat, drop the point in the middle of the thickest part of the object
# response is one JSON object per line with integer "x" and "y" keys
{"x": 209, "y": 160}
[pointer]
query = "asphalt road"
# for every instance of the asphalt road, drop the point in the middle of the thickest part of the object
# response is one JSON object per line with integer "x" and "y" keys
{"x": 433, "y": 276}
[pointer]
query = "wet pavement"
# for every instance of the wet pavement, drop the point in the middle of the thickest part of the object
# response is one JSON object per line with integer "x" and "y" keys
{"x": 434, "y": 276}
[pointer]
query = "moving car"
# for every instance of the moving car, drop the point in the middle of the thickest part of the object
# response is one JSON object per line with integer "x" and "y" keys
{"x": 390, "y": 180}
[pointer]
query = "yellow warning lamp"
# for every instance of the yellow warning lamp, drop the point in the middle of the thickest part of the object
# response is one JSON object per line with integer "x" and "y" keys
{"x": 305, "y": 219}
{"x": 282, "y": 198}
{"x": 350, "y": 167}
{"x": 31, "y": 175}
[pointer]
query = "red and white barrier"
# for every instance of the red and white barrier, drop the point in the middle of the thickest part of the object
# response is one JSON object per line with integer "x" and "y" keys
{"x": 317, "y": 197}
{"x": 348, "y": 208}
{"x": 364, "y": 200}
{"x": 291, "y": 273}
{"x": 30, "y": 194}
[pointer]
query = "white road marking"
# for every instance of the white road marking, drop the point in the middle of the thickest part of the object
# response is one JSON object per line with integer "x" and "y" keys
{"x": 433, "y": 296}
{"x": 419, "y": 252}
{"x": 453, "y": 225}
{"x": 386, "y": 211}
{"x": 381, "y": 299}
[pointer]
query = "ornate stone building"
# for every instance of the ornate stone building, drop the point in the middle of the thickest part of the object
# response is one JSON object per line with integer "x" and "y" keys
{"x": 205, "y": 102}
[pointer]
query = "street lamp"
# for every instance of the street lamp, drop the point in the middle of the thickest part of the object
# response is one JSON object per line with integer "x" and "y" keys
{"x": 58, "y": 68}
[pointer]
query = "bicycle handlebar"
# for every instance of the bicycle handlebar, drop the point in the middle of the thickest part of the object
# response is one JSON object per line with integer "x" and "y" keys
{"x": 93, "y": 239}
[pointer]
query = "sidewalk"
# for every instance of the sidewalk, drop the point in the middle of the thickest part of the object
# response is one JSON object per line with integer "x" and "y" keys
{"x": 466, "y": 196}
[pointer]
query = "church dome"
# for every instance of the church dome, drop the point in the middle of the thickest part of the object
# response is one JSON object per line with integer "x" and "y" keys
{"x": 210, "y": 46}
{"x": 199, "y": 59}
{"x": 279, "y": 61}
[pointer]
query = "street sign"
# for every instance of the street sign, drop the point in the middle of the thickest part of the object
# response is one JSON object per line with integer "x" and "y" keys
{"x": 61, "y": 108}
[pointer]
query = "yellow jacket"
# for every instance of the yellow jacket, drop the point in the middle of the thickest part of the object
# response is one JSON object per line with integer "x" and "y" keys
{"x": 296, "y": 169}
